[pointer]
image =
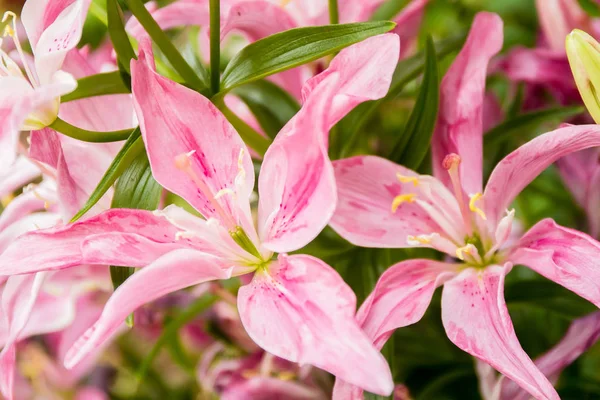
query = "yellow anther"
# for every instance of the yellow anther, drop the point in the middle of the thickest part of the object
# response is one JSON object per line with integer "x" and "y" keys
{"x": 408, "y": 198}
{"x": 286, "y": 375}
{"x": 8, "y": 29}
{"x": 421, "y": 239}
{"x": 407, "y": 179}
{"x": 461, "y": 251}
{"x": 474, "y": 208}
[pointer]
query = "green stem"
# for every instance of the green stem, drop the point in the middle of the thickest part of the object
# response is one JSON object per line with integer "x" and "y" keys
{"x": 334, "y": 16}
{"x": 215, "y": 45}
{"x": 89, "y": 136}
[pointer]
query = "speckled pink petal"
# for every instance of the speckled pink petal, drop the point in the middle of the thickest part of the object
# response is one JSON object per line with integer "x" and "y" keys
{"x": 582, "y": 334}
{"x": 566, "y": 256}
{"x": 176, "y": 270}
{"x": 365, "y": 73}
{"x": 400, "y": 298}
{"x": 519, "y": 168}
{"x": 367, "y": 185}
{"x": 460, "y": 127}
{"x": 297, "y": 188}
{"x": 476, "y": 319}
{"x": 300, "y": 309}
{"x": 179, "y": 126}
{"x": 117, "y": 237}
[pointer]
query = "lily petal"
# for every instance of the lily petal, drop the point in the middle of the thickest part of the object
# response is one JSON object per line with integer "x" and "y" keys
{"x": 459, "y": 128}
{"x": 302, "y": 310}
{"x": 515, "y": 171}
{"x": 178, "y": 122}
{"x": 18, "y": 297}
{"x": 476, "y": 319}
{"x": 117, "y": 237}
{"x": 566, "y": 256}
{"x": 21, "y": 172}
{"x": 365, "y": 73}
{"x": 400, "y": 298}
{"x": 297, "y": 188}
{"x": 582, "y": 334}
{"x": 174, "y": 271}
{"x": 367, "y": 187}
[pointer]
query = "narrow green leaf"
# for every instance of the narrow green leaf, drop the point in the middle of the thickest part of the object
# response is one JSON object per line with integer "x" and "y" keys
{"x": 171, "y": 330}
{"x": 526, "y": 122}
{"x": 294, "y": 47}
{"x": 272, "y": 106}
{"x": 547, "y": 295}
{"x": 406, "y": 71}
{"x": 413, "y": 144}
{"x": 165, "y": 44}
{"x": 97, "y": 85}
{"x": 118, "y": 35}
{"x": 130, "y": 150}
{"x": 136, "y": 188}
{"x": 89, "y": 136}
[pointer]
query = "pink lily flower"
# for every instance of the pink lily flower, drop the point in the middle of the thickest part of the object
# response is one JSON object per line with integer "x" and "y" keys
{"x": 582, "y": 334}
{"x": 295, "y": 307}
{"x": 256, "y": 19}
{"x": 30, "y": 101}
{"x": 382, "y": 204}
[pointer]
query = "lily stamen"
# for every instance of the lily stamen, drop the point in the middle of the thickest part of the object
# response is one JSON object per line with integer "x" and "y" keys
{"x": 12, "y": 32}
{"x": 451, "y": 163}
{"x": 402, "y": 198}
{"x": 473, "y": 199}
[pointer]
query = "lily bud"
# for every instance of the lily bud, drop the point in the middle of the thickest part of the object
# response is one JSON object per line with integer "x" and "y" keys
{"x": 583, "y": 52}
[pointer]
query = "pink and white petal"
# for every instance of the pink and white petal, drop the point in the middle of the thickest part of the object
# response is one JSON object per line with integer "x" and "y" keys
{"x": 566, "y": 256}
{"x": 400, "y": 298}
{"x": 592, "y": 205}
{"x": 38, "y": 15}
{"x": 459, "y": 128}
{"x": 408, "y": 23}
{"x": 297, "y": 188}
{"x": 17, "y": 175}
{"x": 31, "y": 222}
{"x": 36, "y": 198}
{"x": 45, "y": 147}
{"x": 15, "y": 104}
{"x": 57, "y": 39}
{"x": 582, "y": 334}
{"x": 18, "y": 298}
{"x": 117, "y": 237}
{"x": 515, "y": 171}
{"x": 178, "y": 122}
{"x": 51, "y": 313}
{"x": 577, "y": 171}
{"x": 365, "y": 73}
{"x": 476, "y": 319}
{"x": 358, "y": 10}
{"x": 301, "y": 310}
{"x": 174, "y": 271}
{"x": 367, "y": 186}
{"x": 557, "y": 19}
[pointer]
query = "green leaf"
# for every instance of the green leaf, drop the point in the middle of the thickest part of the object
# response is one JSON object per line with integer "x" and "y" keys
{"x": 591, "y": 7}
{"x": 252, "y": 138}
{"x": 272, "y": 106}
{"x": 89, "y": 136}
{"x": 527, "y": 122}
{"x": 118, "y": 35}
{"x": 406, "y": 71}
{"x": 136, "y": 188}
{"x": 129, "y": 152}
{"x": 294, "y": 47}
{"x": 413, "y": 144}
{"x": 547, "y": 295}
{"x": 165, "y": 45}
{"x": 170, "y": 331}
{"x": 97, "y": 85}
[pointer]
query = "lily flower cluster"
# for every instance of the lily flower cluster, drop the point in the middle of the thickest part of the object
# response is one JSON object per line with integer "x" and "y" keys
{"x": 132, "y": 218}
